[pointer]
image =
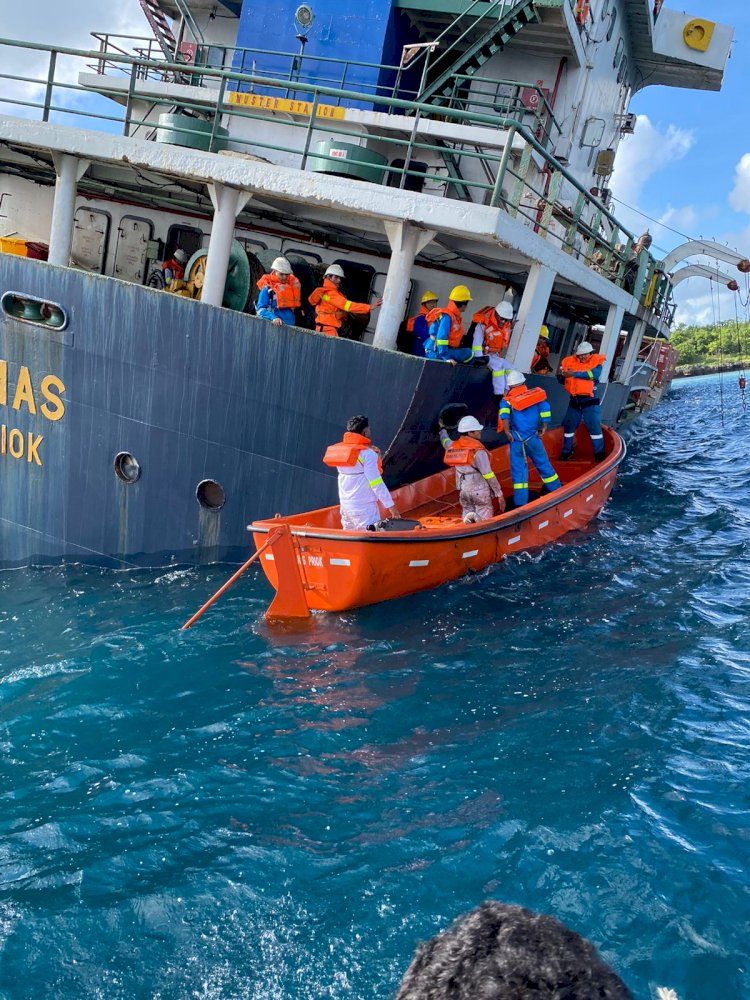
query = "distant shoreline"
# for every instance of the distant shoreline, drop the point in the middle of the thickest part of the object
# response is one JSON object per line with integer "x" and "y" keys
{"x": 689, "y": 371}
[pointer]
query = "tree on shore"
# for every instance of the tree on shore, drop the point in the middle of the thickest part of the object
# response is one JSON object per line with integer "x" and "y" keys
{"x": 711, "y": 345}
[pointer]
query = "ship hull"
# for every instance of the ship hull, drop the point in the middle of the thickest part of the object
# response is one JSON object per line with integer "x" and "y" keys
{"x": 194, "y": 393}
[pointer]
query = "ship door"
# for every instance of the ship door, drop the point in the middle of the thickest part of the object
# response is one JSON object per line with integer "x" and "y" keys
{"x": 90, "y": 237}
{"x": 131, "y": 252}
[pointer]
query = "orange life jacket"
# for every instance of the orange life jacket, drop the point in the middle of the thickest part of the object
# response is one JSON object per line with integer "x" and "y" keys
{"x": 424, "y": 311}
{"x": 579, "y": 386}
{"x": 496, "y": 331}
{"x": 520, "y": 397}
{"x": 457, "y": 332}
{"x": 177, "y": 269}
{"x": 463, "y": 451}
{"x": 541, "y": 354}
{"x": 331, "y": 306}
{"x": 346, "y": 453}
{"x": 288, "y": 293}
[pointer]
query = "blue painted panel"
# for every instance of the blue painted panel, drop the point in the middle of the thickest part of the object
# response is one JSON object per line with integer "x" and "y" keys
{"x": 369, "y": 31}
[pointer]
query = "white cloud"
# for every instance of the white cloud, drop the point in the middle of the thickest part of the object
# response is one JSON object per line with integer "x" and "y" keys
{"x": 739, "y": 197}
{"x": 645, "y": 153}
{"x": 65, "y": 24}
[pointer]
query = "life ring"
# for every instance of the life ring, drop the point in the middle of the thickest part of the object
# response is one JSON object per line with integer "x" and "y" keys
{"x": 582, "y": 11}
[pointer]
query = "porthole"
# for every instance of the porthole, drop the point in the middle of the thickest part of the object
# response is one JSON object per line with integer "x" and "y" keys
{"x": 210, "y": 495}
{"x": 29, "y": 309}
{"x": 127, "y": 468}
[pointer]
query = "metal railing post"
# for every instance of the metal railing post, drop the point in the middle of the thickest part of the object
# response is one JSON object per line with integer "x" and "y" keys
{"x": 310, "y": 126}
{"x": 50, "y": 84}
{"x": 217, "y": 113}
{"x": 409, "y": 149}
{"x": 129, "y": 102}
{"x": 497, "y": 192}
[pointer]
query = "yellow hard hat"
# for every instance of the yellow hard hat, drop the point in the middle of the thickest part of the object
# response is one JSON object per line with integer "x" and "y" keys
{"x": 544, "y": 333}
{"x": 460, "y": 294}
{"x": 429, "y": 297}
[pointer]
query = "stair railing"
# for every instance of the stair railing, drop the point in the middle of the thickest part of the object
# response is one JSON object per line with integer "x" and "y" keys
{"x": 496, "y": 8}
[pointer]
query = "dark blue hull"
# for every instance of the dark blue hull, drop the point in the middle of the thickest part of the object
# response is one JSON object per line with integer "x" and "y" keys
{"x": 194, "y": 393}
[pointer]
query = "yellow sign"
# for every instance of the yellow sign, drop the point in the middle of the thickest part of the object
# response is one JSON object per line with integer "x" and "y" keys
{"x": 698, "y": 34}
{"x": 46, "y": 400}
{"x": 285, "y": 106}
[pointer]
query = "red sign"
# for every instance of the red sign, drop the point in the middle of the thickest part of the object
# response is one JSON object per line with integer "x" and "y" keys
{"x": 531, "y": 97}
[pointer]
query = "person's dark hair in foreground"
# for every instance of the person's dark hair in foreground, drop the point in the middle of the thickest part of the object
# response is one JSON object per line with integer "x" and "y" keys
{"x": 357, "y": 424}
{"x": 501, "y": 952}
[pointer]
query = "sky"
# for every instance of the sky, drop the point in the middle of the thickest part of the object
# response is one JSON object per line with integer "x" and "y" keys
{"x": 687, "y": 168}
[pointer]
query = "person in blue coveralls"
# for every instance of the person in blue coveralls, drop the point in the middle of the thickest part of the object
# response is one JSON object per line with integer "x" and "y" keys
{"x": 524, "y": 416}
{"x": 417, "y": 326}
{"x": 580, "y": 374}
{"x": 280, "y": 294}
{"x": 447, "y": 329}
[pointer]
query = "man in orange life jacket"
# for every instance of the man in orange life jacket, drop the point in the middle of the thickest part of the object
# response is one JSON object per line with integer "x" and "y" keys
{"x": 174, "y": 268}
{"x": 524, "y": 416}
{"x": 494, "y": 326}
{"x": 447, "y": 329}
{"x": 417, "y": 325}
{"x": 280, "y": 294}
{"x": 540, "y": 361}
{"x": 580, "y": 373}
{"x": 361, "y": 486}
{"x": 331, "y": 306}
{"x": 475, "y": 480}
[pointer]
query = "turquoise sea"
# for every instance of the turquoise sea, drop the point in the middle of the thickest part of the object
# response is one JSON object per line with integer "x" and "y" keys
{"x": 236, "y": 812}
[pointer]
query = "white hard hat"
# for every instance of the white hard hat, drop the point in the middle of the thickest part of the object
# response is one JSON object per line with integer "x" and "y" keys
{"x": 282, "y": 265}
{"x": 467, "y": 424}
{"x": 504, "y": 310}
{"x": 335, "y": 269}
{"x": 515, "y": 378}
{"x": 585, "y": 348}
{"x": 181, "y": 256}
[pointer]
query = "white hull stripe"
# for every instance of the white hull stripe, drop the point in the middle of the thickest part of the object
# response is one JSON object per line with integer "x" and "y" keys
{"x": 608, "y": 484}
{"x": 542, "y": 524}
{"x": 341, "y": 562}
{"x": 589, "y": 497}
{"x": 269, "y": 556}
{"x": 419, "y": 562}
{"x": 567, "y": 513}
{"x": 512, "y": 541}
{"x": 469, "y": 555}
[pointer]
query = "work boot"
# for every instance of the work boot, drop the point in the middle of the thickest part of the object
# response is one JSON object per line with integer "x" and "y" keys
{"x": 566, "y": 458}
{"x": 600, "y": 457}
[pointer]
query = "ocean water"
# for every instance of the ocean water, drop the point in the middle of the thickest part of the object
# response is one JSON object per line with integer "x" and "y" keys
{"x": 236, "y": 812}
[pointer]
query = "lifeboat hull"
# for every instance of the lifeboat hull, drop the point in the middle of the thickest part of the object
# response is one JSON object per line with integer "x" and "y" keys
{"x": 340, "y": 570}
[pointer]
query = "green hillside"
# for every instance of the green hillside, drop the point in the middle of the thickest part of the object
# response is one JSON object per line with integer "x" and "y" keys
{"x": 712, "y": 345}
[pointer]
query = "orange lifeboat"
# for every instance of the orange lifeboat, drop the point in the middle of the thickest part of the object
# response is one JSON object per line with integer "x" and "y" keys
{"x": 315, "y": 565}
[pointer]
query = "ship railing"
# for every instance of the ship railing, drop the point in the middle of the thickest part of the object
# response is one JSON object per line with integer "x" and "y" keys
{"x": 513, "y": 98}
{"x": 515, "y": 173}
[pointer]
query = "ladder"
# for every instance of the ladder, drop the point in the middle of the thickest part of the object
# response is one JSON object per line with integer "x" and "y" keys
{"x": 161, "y": 28}
{"x": 471, "y": 42}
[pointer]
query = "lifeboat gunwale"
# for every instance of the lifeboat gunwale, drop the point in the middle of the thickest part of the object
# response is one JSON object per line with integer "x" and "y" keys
{"x": 436, "y": 535}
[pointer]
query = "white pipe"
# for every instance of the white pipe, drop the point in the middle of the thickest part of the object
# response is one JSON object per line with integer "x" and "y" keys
{"x": 406, "y": 242}
{"x": 228, "y": 203}
{"x": 632, "y": 349}
{"x": 531, "y": 313}
{"x": 69, "y": 170}
{"x": 707, "y": 247}
{"x": 610, "y": 337}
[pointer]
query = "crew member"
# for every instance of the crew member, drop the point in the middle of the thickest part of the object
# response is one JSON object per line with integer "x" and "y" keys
{"x": 524, "y": 416}
{"x": 280, "y": 294}
{"x": 418, "y": 327}
{"x": 361, "y": 486}
{"x": 174, "y": 268}
{"x": 476, "y": 482}
{"x": 580, "y": 373}
{"x": 540, "y": 361}
{"x": 331, "y": 306}
{"x": 447, "y": 329}
{"x": 494, "y": 326}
